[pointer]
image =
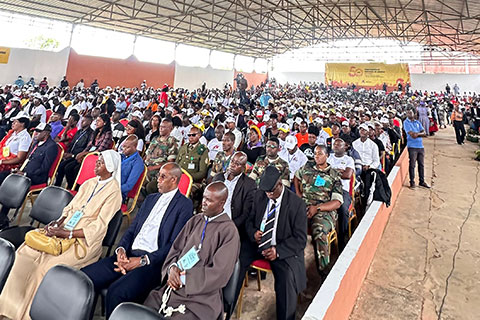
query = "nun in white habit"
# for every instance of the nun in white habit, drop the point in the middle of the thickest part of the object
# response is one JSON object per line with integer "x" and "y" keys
{"x": 96, "y": 202}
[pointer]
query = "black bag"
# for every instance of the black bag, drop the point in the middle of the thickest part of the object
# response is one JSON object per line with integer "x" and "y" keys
{"x": 382, "y": 192}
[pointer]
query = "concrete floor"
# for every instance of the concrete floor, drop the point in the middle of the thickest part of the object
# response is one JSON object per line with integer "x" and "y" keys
{"x": 428, "y": 261}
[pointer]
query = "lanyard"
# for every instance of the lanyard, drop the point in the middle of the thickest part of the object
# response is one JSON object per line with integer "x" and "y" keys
{"x": 225, "y": 165}
{"x": 93, "y": 194}
{"x": 203, "y": 235}
{"x": 83, "y": 133}
{"x": 33, "y": 150}
{"x": 272, "y": 210}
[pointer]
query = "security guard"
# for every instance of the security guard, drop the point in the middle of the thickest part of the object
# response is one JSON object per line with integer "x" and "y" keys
{"x": 271, "y": 158}
{"x": 193, "y": 157}
{"x": 320, "y": 186}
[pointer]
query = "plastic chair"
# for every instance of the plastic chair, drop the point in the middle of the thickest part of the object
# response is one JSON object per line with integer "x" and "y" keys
{"x": 351, "y": 210}
{"x": 48, "y": 207}
{"x": 133, "y": 194}
{"x": 186, "y": 183}
{"x": 229, "y": 292}
{"x": 48, "y": 113}
{"x": 86, "y": 170}
{"x": 64, "y": 293}
{"x": 112, "y": 232}
{"x": 130, "y": 310}
{"x": 35, "y": 189}
{"x": 13, "y": 192}
{"x": 259, "y": 265}
{"x": 7, "y": 257}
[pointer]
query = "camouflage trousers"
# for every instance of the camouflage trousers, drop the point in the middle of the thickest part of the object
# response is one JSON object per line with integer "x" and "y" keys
{"x": 322, "y": 224}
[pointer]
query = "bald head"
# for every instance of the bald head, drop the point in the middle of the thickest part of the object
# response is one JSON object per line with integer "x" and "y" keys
{"x": 129, "y": 146}
{"x": 169, "y": 177}
{"x": 214, "y": 199}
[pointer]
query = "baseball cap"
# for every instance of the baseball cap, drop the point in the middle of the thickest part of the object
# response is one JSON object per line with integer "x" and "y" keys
{"x": 15, "y": 99}
{"x": 230, "y": 119}
{"x": 345, "y": 124}
{"x": 43, "y": 127}
{"x": 259, "y": 113}
{"x": 290, "y": 142}
{"x": 363, "y": 126}
{"x": 137, "y": 114}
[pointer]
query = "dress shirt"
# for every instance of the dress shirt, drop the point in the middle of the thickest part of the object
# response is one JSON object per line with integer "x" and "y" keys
{"x": 295, "y": 161}
{"x": 277, "y": 215}
{"x": 19, "y": 142}
{"x": 414, "y": 126}
{"x": 231, "y": 187}
{"x": 368, "y": 151}
{"x": 147, "y": 238}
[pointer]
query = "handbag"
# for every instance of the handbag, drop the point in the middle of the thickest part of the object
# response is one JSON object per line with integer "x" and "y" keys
{"x": 38, "y": 240}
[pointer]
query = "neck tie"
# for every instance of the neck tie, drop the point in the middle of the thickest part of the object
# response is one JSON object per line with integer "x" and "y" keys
{"x": 266, "y": 241}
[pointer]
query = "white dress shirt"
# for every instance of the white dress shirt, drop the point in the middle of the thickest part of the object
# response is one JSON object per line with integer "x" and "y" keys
{"x": 19, "y": 142}
{"x": 147, "y": 238}
{"x": 368, "y": 151}
{"x": 231, "y": 187}
{"x": 277, "y": 215}
{"x": 295, "y": 161}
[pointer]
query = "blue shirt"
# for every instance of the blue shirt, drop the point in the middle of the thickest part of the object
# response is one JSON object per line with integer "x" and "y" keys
{"x": 264, "y": 98}
{"x": 121, "y": 106}
{"x": 57, "y": 127}
{"x": 414, "y": 126}
{"x": 132, "y": 168}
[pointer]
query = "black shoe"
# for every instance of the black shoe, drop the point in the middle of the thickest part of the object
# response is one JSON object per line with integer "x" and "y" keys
{"x": 423, "y": 184}
{"x": 412, "y": 185}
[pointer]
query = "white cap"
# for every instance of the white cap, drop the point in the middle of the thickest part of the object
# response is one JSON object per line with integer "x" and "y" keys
{"x": 345, "y": 123}
{"x": 363, "y": 126}
{"x": 190, "y": 111}
{"x": 290, "y": 142}
{"x": 384, "y": 120}
{"x": 137, "y": 114}
{"x": 259, "y": 113}
{"x": 298, "y": 120}
{"x": 230, "y": 119}
{"x": 15, "y": 99}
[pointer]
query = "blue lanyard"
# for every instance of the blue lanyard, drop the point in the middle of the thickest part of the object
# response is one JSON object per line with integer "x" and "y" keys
{"x": 272, "y": 210}
{"x": 93, "y": 194}
{"x": 203, "y": 235}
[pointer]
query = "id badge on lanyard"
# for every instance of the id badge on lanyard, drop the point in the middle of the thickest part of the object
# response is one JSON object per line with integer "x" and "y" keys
{"x": 6, "y": 152}
{"x": 189, "y": 259}
{"x": 73, "y": 221}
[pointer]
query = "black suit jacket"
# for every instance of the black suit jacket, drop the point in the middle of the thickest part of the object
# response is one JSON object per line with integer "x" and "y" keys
{"x": 291, "y": 233}
{"x": 242, "y": 200}
{"x": 40, "y": 160}
{"x": 176, "y": 216}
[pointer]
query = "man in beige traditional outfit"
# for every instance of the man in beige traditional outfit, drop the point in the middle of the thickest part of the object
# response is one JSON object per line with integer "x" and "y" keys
{"x": 195, "y": 288}
{"x": 99, "y": 199}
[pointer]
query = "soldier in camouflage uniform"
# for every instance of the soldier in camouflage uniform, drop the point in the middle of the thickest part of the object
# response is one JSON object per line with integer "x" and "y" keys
{"x": 161, "y": 150}
{"x": 193, "y": 157}
{"x": 222, "y": 159}
{"x": 271, "y": 158}
{"x": 320, "y": 186}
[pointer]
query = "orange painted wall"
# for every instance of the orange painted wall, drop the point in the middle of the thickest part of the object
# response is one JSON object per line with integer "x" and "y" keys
{"x": 346, "y": 295}
{"x": 252, "y": 78}
{"x": 118, "y": 72}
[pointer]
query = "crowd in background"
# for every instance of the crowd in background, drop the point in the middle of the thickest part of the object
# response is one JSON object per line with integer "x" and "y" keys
{"x": 247, "y": 150}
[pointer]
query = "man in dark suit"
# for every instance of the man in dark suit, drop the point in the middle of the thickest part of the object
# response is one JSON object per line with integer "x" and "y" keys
{"x": 277, "y": 232}
{"x": 240, "y": 192}
{"x": 135, "y": 269}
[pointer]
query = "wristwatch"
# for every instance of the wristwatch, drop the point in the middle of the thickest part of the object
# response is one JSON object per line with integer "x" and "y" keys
{"x": 143, "y": 261}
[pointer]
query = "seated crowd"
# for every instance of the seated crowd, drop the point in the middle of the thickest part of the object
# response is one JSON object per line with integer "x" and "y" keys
{"x": 265, "y": 173}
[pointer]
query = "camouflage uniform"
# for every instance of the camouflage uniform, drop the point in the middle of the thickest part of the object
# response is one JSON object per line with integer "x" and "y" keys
{"x": 320, "y": 186}
{"x": 194, "y": 159}
{"x": 263, "y": 161}
{"x": 161, "y": 150}
{"x": 220, "y": 163}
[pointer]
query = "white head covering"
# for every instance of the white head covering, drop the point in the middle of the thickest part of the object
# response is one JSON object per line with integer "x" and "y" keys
{"x": 113, "y": 163}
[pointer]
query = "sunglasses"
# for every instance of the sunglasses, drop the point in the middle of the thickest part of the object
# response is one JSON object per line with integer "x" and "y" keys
{"x": 192, "y": 134}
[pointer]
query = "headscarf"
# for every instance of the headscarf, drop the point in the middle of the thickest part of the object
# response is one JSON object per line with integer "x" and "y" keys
{"x": 113, "y": 163}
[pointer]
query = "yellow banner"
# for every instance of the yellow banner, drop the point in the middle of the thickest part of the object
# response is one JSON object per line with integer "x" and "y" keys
{"x": 4, "y": 54}
{"x": 370, "y": 75}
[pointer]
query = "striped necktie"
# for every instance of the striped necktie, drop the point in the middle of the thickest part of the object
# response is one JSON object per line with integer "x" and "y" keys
{"x": 267, "y": 235}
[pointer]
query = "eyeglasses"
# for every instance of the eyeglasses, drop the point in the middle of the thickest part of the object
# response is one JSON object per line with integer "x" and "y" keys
{"x": 192, "y": 134}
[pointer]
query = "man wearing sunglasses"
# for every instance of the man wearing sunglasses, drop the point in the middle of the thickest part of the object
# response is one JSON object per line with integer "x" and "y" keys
{"x": 193, "y": 157}
{"x": 271, "y": 158}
